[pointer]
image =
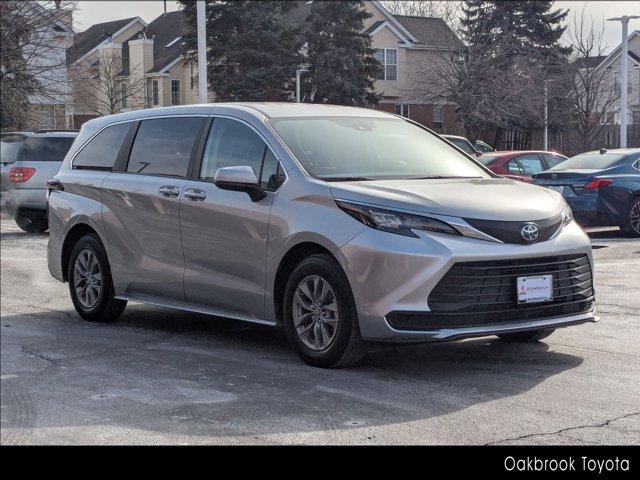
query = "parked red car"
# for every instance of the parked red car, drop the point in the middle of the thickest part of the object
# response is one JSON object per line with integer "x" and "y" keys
{"x": 520, "y": 165}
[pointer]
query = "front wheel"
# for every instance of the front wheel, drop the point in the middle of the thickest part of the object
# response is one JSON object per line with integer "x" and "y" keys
{"x": 32, "y": 221}
{"x": 90, "y": 283}
{"x": 526, "y": 337}
{"x": 320, "y": 315}
{"x": 632, "y": 226}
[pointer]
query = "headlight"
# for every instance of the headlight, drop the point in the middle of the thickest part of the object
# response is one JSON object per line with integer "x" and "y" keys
{"x": 567, "y": 216}
{"x": 394, "y": 222}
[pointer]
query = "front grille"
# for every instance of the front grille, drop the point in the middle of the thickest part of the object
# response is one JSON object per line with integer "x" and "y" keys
{"x": 510, "y": 232}
{"x": 483, "y": 293}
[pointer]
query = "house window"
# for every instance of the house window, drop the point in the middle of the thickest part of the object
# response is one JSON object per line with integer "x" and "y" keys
{"x": 388, "y": 57}
{"x": 438, "y": 115}
{"x": 402, "y": 109}
{"x": 635, "y": 116}
{"x": 175, "y": 92}
{"x": 191, "y": 77}
{"x": 123, "y": 95}
{"x": 155, "y": 100}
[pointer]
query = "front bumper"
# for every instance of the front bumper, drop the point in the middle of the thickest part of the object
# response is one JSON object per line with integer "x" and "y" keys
{"x": 391, "y": 273}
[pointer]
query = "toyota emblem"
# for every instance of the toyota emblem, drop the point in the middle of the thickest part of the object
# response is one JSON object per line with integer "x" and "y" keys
{"x": 530, "y": 232}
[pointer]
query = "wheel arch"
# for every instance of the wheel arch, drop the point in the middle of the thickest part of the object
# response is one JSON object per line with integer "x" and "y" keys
{"x": 288, "y": 263}
{"x": 74, "y": 234}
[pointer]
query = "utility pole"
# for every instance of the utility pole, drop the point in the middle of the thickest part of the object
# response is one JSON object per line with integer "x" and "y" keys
{"x": 623, "y": 75}
{"x": 299, "y": 72}
{"x": 202, "y": 51}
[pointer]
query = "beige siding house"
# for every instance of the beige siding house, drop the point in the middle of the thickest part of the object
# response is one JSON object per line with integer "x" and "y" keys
{"x": 404, "y": 45}
{"x": 150, "y": 59}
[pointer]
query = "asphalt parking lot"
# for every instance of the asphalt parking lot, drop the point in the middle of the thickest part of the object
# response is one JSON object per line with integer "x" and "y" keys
{"x": 159, "y": 376}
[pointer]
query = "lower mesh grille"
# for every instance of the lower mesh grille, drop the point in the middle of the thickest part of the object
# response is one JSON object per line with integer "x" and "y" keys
{"x": 484, "y": 293}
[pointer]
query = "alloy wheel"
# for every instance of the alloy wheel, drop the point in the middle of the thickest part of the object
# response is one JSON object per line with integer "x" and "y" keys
{"x": 87, "y": 278}
{"x": 635, "y": 216}
{"x": 315, "y": 312}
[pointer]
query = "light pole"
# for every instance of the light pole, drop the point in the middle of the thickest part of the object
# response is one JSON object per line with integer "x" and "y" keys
{"x": 299, "y": 72}
{"x": 202, "y": 51}
{"x": 546, "y": 118}
{"x": 623, "y": 75}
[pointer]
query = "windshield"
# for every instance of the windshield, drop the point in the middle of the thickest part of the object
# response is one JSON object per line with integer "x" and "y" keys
{"x": 590, "y": 161}
{"x": 10, "y": 147}
{"x": 354, "y": 148}
{"x": 45, "y": 149}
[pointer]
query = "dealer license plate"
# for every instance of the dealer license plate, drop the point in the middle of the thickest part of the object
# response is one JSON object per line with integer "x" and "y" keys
{"x": 535, "y": 289}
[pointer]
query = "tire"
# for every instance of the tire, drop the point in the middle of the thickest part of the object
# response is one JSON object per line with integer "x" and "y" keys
{"x": 93, "y": 307}
{"x": 339, "y": 320}
{"x": 632, "y": 226}
{"x": 32, "y": 221}
{"x": 526, "y": 337}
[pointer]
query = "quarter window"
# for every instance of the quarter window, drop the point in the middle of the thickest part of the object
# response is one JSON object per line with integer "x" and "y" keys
{"x": 272, "y": 174}
{"x": 101, "y": 152}
{"x": 514, "y": 168}
{"x": 163, "y": 146}
{"x": 388, "y": 57}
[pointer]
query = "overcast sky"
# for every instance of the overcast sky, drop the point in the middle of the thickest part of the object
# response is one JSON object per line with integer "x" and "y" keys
{"x": 90, "y": 12}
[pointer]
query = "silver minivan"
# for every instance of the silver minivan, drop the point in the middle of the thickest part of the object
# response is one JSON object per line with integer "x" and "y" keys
{"x": 28, "y": 160}
{"x": 343, "y": 225}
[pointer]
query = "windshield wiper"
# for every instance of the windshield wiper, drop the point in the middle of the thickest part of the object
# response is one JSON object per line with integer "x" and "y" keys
{"x": 437, "y": 177}
{"x": 345, "y": 179}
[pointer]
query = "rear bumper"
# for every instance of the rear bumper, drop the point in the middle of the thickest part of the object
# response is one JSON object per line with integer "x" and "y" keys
{"x": 32, "y": 198}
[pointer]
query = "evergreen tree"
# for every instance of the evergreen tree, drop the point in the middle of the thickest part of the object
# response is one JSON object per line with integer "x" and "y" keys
{"x": 341, "y": 62}
{"x": 253, "y": 50}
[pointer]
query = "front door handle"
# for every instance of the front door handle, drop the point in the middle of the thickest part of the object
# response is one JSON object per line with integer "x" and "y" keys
{"x": 195, "y": 195}
{"x": 169, "y": 191}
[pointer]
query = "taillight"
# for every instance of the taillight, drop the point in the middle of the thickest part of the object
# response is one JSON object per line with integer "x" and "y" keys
{"x": 21, "y": 174}
{"x": 597, "y": 183}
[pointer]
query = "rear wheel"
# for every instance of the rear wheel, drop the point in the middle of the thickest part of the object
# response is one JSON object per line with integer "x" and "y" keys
{"x": 526, "y": 337}
{"x": 632, "y": 227}
{"x": 32, "y": 221}
{"x": 90, "y": 282}
{"x": 320, "y": 315}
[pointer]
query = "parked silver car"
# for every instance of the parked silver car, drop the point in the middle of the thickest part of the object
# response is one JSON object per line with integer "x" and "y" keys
{"x": 341, "y": 224}
{"x": 29, "y": 159}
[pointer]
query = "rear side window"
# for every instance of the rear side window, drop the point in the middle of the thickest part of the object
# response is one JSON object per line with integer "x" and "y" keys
{"x": 462, "y": 145}
{"x": 10, "y": 148}
{"x": 513, "y": 167}
{"x": 45, "y": 149}
{"x": 101, "y": 152}
{"x": 530, "y": 164}
{"x": 232, "y": 144}
{"x": 163, "y": 146}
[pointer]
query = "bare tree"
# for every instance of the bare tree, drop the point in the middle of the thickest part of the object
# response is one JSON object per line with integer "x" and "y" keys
{"x": 102, "y": 86}
{"x": 593, "y": 91}
{"x": 32, "y": 56}
{"x": 449, "y": 11}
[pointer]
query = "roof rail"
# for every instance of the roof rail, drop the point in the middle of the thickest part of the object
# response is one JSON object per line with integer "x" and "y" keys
{"x": 49, "y": 130}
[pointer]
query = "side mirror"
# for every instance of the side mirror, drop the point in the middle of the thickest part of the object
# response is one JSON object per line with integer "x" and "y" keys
{"x": 239, "y": 179}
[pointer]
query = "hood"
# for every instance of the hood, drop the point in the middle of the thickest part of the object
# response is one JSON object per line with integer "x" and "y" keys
{"x": 498, "y": 199}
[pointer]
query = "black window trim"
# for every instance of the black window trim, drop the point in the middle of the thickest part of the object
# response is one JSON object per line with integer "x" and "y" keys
{"x": 194, "y": 174}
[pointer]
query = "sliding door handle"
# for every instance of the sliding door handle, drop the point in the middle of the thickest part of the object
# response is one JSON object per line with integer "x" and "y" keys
{"x": 169, "y": 191}
{"x": 195, "y": 195}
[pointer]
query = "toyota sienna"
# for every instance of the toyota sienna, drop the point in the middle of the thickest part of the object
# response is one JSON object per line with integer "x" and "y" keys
{"x": 341, "y": 224}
